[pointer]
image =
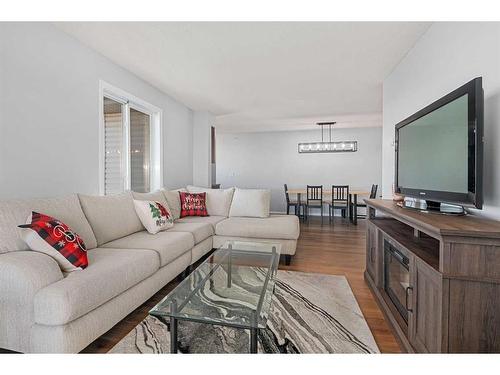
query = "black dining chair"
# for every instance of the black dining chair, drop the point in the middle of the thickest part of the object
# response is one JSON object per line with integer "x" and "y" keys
{"x": 314, "y": 199}
{"x": 290, "y": 203}
{"x": 373, "y": 195}
{"x": 340, "y": 200}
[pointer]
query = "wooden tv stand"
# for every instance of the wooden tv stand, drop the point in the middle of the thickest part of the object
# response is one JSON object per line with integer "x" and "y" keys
{"x": 453, "y": 295}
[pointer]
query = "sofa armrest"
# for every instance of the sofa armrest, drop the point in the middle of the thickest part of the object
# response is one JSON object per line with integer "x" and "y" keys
{"x": 23, "y": 273}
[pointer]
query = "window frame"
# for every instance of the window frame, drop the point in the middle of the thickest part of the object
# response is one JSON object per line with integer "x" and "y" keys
{"x": 128, "y": 102}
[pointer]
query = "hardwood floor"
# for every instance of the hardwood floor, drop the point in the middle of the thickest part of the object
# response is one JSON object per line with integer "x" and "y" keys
{"x": 337, "y": 249}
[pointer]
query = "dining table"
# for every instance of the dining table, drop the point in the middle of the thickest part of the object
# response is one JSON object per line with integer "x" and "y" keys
{"x": 352, "y": 203}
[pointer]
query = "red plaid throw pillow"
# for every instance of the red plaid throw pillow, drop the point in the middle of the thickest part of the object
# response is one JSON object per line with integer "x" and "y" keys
{"x": 193, "y": 204}
{"x": 50, "y": 236}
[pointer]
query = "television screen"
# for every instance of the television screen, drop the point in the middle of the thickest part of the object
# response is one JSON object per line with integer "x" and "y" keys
{"x": 439, "y": 149}
{"x": 433, "y": 152}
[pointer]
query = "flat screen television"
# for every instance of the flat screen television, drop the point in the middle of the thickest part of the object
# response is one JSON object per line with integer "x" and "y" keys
{"x": 439, "y": 150}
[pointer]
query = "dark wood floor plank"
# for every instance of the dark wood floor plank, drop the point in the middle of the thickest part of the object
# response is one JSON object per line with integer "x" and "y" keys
{"x": 337, "y": 249}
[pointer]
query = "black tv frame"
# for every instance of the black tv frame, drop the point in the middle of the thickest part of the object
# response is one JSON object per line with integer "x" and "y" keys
{"x": 474, "y": 196}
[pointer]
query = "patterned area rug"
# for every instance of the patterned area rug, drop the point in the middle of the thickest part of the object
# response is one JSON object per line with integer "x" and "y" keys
{"x": 310, "y": 313}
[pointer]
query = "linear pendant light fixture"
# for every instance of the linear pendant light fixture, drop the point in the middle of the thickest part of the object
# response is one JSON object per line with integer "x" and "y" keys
{"x": 318, "y": 147}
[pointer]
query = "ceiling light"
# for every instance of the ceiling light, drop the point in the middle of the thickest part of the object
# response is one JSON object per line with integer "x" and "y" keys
{"x": 330, "y": 146}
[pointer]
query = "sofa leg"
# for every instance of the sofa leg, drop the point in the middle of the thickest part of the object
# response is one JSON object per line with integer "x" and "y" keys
{"x": 288, "y": 259}
{"x": 184, "y": 273}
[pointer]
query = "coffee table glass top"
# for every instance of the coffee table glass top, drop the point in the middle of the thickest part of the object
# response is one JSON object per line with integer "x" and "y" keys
{"x": 233, "y": 286}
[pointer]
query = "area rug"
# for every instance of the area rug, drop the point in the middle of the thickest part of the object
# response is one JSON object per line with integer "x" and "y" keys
{"x": 310, "y": 313}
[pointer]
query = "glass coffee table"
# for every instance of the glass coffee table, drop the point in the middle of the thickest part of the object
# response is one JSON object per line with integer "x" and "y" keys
{"x": 233, "y": 287}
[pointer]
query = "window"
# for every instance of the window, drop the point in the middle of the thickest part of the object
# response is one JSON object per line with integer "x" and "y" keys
{"x": 140, "y": 162}
{"x": 130, "y": 143}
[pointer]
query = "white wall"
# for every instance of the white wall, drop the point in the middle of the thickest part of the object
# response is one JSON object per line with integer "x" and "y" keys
{"x": 49, "y": 114}
{"x": 270, "y": 159}
{"x": 202, "y": 123}
{"x": 447, "y": 56}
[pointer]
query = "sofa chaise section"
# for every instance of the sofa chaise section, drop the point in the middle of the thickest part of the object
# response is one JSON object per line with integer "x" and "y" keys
{"x": 282, "y": 229}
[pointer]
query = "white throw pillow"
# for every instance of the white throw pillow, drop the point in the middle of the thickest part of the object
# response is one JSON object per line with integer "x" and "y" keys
{"x": 251, "y": 203}
{"x": 154, "y": 215}
{"x": 218, "y": 200}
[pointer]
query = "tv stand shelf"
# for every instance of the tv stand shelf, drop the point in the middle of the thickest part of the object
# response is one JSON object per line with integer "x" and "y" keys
{"x": 421, "y": 245}
{"x": 453, "y": 292}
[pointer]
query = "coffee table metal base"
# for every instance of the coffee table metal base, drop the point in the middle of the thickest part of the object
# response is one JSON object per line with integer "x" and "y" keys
{"x": 253, "y": 340}
{"x": 173, "y": 335}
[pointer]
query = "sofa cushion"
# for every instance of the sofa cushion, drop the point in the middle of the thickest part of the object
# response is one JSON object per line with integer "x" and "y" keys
{"x": 168, "y": 245}
{"x": 111, "y": 216}
{"x": 200, "y": 231}
{"x": 250, "y": 203}
{"x": 212, "y": 220}
{"x": 218, "y": 200}
{"x": 67, "y": 209}
{"x": 156, "y": 196}
{"x": 275, "y": 226}
{"x": 174, "y": 201}
{"x": 110, "y": 273}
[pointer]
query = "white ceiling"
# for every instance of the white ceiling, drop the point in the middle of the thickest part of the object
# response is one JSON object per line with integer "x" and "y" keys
{"x": 258, "y": 76}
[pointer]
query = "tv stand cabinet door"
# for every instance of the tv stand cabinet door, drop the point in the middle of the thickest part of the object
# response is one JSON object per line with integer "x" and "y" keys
{"x": 425, "y": 307}
{"x": 372, "y": 253}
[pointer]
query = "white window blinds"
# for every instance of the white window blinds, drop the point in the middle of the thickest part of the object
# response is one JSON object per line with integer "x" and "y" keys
{"x": 113, "y": 138}
{"x": 139, "y": 151}
{"x": 127, "y": 144}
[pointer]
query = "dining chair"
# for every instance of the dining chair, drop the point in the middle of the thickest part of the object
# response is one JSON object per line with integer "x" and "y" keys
{"x": 314, "y": 199}
{"x": 290, "y": 203}
{"x": 373, "y": 195}
{"x": 340, "y": 200}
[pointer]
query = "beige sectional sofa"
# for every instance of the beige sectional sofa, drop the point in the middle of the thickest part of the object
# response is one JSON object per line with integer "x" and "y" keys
{"x": 44, "y": 310}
